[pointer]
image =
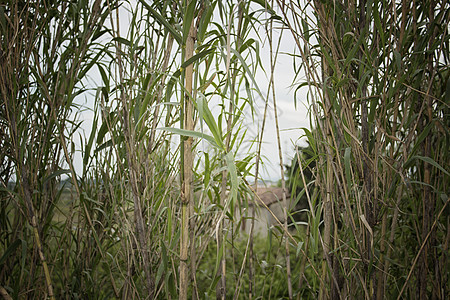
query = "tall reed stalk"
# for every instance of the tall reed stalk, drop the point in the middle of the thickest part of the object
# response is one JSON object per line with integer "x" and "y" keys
{"x": 271, "y": 88}
{"x": 188, "y": 159}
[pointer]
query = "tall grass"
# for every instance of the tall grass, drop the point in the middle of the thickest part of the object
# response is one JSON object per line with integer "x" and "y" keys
{"x": 46, "y": 51}
{"x": 188, "y": 59}
{"x": 376, "y": 72}
{"x": 121, "y": 222}
{"x": 154, "y": 208}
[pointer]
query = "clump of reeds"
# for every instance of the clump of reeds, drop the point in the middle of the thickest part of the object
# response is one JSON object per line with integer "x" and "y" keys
{"x": 375, "y": 72}
{"x": 154, "y": 207}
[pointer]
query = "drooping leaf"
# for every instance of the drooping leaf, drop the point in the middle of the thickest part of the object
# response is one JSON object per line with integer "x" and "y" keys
{"x": 191, "y": 133}
{"x": 233, "y": 175}
{"x": 428, "y": 160}
{"x": 188, "y": 18}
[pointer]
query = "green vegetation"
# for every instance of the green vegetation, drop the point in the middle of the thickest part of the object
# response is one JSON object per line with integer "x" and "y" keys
{"x": 155, "y": 205}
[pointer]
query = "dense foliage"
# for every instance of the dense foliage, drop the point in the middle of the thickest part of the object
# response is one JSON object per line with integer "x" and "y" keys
{"x": 124, "y": 161}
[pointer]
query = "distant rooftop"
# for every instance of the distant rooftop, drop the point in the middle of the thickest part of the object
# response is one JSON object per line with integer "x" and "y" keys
{"x": 272, "y": 194}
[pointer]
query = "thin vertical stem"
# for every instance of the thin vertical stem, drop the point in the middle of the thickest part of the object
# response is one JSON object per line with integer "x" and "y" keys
{"x": 252, "y": 223}
{"x": 280, "y": 154}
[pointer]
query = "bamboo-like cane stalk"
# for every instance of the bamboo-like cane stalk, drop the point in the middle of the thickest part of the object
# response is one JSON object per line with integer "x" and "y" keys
{"x": 188, "y": 162}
